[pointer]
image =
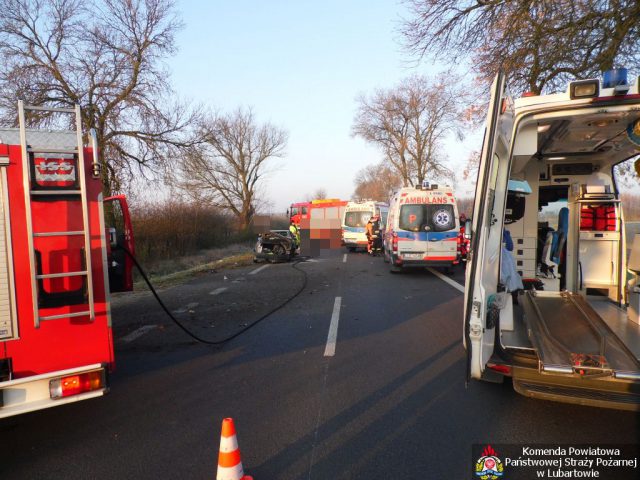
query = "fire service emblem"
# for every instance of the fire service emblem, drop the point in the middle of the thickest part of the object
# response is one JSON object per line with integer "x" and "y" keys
{"x": 489, "y": 466}
{"x": 54, "y": 172}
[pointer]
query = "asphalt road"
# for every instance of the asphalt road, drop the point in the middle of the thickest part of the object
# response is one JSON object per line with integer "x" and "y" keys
{"x": 390, "y": 403}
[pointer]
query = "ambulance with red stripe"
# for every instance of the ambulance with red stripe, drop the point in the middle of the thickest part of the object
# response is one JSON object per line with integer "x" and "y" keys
{"x": 422, "y": 228}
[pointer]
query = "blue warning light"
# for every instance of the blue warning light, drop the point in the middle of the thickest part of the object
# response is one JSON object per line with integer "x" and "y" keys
{"x": 614, "y": 77}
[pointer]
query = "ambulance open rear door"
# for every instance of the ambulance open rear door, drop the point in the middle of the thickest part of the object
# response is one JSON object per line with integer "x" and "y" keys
{"x": 483, "y": 268}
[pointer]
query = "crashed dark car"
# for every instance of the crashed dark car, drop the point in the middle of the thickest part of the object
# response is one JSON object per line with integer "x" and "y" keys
{"x": 275, "y": 246}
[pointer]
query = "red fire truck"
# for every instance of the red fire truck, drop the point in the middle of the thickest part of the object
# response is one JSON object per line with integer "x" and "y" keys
{"x": 57, "y": 258}
{"x": 298, "y": 212}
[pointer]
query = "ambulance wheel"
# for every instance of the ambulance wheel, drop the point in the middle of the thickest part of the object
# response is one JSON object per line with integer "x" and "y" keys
{"x": 395, "y": 268}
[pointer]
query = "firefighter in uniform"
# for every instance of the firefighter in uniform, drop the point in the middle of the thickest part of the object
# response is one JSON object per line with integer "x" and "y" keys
{"x": 293, "y": 228}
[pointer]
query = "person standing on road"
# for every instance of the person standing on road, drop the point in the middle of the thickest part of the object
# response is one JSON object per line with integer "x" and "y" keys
{"x": 463, "y": 243}
{"x": 373, "y": 232}
{"x": 293, "y": 228}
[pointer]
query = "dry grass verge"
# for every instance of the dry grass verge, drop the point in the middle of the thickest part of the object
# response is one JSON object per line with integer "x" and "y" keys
{"x": 168, "y": 273}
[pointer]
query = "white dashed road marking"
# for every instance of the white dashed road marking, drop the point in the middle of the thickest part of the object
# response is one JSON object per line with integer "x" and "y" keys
{"x": 218, "y": 291}
{"x": 137, "y": 333}
{"x": 446, "y": 279}
{"x": 330, "y": 349}
{"x": 344, "y": 259}
{"x": 259, "y": 269}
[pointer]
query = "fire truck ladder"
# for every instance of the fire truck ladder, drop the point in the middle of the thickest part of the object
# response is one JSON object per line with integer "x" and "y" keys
{"x": 79, "y": 194}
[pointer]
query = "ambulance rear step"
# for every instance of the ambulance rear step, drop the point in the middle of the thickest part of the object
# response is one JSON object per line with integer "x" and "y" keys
{"x": 570, "y": 338}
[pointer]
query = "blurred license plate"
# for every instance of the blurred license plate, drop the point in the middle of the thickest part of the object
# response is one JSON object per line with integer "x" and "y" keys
{"x": 412, "y": 256}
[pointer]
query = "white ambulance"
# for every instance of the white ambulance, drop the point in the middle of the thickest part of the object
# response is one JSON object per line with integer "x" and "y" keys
{"x": 573, "y": 333}
{"x": 355, "y": 218}
{"x": 422, "y": 228}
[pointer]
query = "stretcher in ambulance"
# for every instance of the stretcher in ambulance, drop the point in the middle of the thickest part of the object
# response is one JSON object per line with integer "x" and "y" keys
{"x": 422, "y": 228}
{"x": 572, "y": 334}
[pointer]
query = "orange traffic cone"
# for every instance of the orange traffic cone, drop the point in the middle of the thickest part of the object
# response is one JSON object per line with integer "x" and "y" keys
{"x": 229, "y": 464}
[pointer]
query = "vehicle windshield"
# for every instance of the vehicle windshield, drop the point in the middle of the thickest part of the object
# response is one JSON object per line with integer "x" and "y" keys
{"x": 421, "y": 218}
{"x": 294, "y": 211}
{"x": 357, "y": 218}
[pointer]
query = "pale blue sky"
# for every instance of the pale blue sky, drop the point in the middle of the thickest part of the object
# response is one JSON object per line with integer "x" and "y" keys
{"x": 299, "y": 65}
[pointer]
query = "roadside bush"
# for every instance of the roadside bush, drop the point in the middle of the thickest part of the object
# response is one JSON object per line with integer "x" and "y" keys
{"x": 172, "y": 229}
{"x": 174, "y": 234}
{"x": 279, "y": 222}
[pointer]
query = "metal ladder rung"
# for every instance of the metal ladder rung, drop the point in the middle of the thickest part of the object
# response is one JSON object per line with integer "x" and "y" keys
{"x": 66, "y": 315}
{"x": 53, "y": 150}
{"x": 56, "y": 192}
{"x": 58, "y": 234}
{"x": 35, "y": 108}
{"x": 61, "y": 275}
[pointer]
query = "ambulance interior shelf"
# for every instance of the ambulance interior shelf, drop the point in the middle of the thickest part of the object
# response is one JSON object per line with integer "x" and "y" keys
{"x": 599, "y": 239}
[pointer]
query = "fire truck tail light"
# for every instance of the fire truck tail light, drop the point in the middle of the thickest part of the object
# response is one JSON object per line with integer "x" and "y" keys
{"x": 76, "y": 384}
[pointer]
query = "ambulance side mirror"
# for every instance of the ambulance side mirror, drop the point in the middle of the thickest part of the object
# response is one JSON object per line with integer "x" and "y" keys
{"x": 467, "y": 229}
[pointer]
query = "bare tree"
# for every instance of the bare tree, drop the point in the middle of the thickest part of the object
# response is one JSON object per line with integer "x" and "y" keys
{"x": 376, "y": 182}
{"x": 105, "y": 55}
{"x": 319, "y": 193}
{"x": 409, "y": 123}
{"x": 540, "y": 45}
{"x": 228, "y": 168}
{"x": 471, "y": 167}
